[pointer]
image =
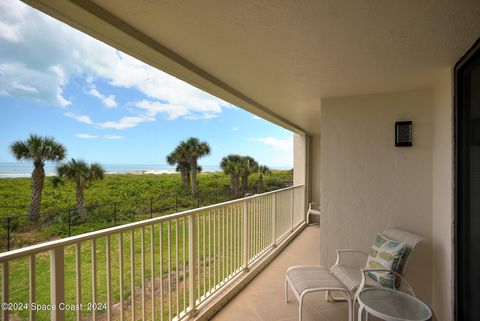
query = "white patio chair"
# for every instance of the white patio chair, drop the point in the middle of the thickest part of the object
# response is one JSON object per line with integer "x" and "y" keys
{"x": 348, "y": 280}
{"x": 354, "y": 277}
{"x": 313, "y": 209}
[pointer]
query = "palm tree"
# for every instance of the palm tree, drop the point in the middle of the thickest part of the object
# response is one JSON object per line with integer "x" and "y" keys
{"x": 263, "y": 170}
{"x": 231, "y": 165}
{"x": 183, "y": 166}
{"x": 191, "y": 150}
{"x": 182, "y": 157}
{"x": 37, "y": 149}
{"x": 249, "y": 166}
{"x": 81, "y": 173}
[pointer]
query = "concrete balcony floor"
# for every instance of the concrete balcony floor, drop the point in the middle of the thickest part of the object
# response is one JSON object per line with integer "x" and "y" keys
{"x": 264, "y": 300}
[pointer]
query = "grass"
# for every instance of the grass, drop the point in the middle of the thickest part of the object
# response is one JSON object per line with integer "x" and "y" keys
{"x": 15, "y": 192}
{"x": 116, "y": 200}
{"x": 225, "y": 242}
{"x": 108, "y": 191}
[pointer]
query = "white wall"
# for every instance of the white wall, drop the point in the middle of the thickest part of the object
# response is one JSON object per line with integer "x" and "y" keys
{"x": 368, "y": 184}
{"x": 442, "y": 201}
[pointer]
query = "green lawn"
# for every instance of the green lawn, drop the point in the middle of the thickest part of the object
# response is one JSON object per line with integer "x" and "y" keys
{"x": 131, "y": 194}
{"x": 116, "y": 200}
{"x": 224, "y": 248}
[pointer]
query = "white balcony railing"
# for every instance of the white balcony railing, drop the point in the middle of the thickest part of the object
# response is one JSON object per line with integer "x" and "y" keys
{"x": 162, "y": 268}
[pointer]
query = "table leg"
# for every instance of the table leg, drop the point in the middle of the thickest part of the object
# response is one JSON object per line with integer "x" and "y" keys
{"x": 350, "y": 311}
{"x": 360, "y": 312}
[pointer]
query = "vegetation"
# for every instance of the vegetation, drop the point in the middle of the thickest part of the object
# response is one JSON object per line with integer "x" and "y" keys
{"x": 240, "y": 168}
{"x": 82, "y": 174}
{"x": 37, "y": 149}
{"x": 128, "y": 196}
{"x": 114, "y": 200}
{"x": 182, "y": 166}
{"x": 262, "y": 171}
{"x": 186, "y": 156}
{"x": 231, "y": 166}
{"x": 248, "y": 166}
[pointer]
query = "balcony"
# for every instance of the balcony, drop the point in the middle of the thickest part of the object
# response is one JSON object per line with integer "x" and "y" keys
{"x": 263, "y": 299}
{"x": 172, "y": 267}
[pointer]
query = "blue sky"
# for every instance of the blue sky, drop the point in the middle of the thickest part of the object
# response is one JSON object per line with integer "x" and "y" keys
{"x": 108, "y": 107}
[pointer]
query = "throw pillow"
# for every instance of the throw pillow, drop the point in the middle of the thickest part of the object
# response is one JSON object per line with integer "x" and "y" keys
{"x": 385, "y": 254}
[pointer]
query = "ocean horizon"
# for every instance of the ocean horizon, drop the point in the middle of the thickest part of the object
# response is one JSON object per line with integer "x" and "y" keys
{"x": 15, "y": 170}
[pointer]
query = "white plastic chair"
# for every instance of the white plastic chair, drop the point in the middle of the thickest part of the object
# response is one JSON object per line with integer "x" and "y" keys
{"x": 313, "y": 209}
{"x": 354, "y": 277}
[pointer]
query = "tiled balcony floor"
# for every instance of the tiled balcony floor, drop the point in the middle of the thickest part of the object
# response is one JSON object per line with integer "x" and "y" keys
{"x": 263, "y": 299}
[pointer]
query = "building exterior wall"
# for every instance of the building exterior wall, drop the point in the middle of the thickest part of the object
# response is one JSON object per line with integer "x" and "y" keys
{"x": 299, "y": 159}
{"x": 368, "y": 184}
{"x": 316, "y": 168}
{"x": 300, "y": 170}
{"x": 442, "y": 202}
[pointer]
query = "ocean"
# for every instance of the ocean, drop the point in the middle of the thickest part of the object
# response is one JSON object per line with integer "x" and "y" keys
{"x": 25, "y": 169}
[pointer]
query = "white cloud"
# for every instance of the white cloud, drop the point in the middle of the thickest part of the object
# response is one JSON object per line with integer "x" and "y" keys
{"x": 108, "y": 101}
{"x": 22, "y": 87}
{"x": 113, "y": 137}
{"x": 90, "y": 136}
{"x": 69, "y": 53}
{"x": 60, "y": 99}
{"x": 256, "y": 117}
{"x": 81, "y": 118}
{"x": 123, "y": 123}
{"x": 236, "y": 128}
{"x": 153, "y": 108}
{"x": 86, "y": 136}
{"x": 8, "y": 32}
{"x": 277, "y": 143}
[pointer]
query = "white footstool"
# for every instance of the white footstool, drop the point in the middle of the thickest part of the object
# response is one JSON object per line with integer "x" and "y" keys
{"x": 304, "y": 279}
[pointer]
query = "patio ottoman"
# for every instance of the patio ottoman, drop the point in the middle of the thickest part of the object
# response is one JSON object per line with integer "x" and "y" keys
{"x": 304, "y": 279}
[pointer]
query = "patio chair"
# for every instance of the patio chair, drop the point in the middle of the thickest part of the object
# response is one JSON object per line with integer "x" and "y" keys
{"x": 313, "y": 209}
{"x": 351, "y": 277}
{"x": 346, "y": 279}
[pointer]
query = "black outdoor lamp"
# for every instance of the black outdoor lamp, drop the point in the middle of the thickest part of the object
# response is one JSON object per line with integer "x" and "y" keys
{"x": 403, "y": 133}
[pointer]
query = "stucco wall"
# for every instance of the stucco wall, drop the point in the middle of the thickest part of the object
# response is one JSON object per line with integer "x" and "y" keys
{"x": 299, "y": 159}
{"x": 368, "y": 184}
{"x": 316, "y": 144}
{"x": 300, "y": 173}
{"x": 442, "y": 202}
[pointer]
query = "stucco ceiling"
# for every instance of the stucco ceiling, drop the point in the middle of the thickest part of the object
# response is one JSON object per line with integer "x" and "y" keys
{"x": 287, "y": 55}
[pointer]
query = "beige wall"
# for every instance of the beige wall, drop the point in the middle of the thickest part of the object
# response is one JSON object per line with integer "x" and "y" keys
{"x": 299, "y": 159}
{"x": 315, "y": 156}
{"x": 300, "y": 155}
{"x": 442, "y": 202}
{"x": 368, "y": 184}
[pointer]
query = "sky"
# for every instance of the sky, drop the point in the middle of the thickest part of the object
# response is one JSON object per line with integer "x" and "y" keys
{"x": 108, "y": 107}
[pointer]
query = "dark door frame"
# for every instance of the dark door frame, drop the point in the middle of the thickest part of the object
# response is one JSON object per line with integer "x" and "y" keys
{"x": 461, "y": 171}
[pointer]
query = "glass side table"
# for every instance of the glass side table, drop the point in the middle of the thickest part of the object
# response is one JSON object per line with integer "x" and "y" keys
{"x": 391, "y": 305}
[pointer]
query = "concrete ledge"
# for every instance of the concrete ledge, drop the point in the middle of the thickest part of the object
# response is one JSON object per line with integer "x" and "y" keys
{"x": 209, "y": 308}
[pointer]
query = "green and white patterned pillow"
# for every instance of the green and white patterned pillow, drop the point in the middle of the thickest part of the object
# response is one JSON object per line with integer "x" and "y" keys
{"x": 385, "y": 254}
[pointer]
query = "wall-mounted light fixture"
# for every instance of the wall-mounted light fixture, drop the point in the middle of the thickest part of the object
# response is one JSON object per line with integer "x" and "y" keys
{"x": 403, "y": 133}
